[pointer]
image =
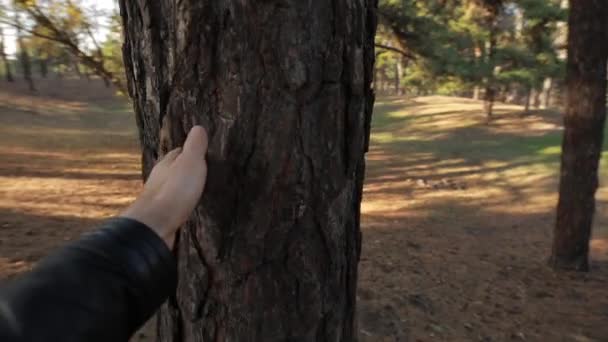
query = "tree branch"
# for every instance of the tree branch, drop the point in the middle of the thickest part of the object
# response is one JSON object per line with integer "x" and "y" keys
{"x": 399, "y": 51}
{"x": 63, "y": 38}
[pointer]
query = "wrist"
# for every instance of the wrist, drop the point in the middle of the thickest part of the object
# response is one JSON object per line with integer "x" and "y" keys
{"x": 153, "y": 218}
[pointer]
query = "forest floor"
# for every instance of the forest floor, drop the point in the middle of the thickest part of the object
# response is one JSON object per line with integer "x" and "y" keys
{"x": 457, "y": 212}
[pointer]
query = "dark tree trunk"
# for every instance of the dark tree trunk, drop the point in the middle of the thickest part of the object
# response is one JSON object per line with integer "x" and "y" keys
{"x": 24, "y": 59}
{"x": 43, "y": 64}
{"x": 7, "y": 63}
{"x": 583, "y": 136}
{"x": 537, "y": 94}
{"x": 271, "y": 252}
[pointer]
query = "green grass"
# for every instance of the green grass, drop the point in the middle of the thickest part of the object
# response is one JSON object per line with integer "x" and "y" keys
{"x": 448, "y": 128}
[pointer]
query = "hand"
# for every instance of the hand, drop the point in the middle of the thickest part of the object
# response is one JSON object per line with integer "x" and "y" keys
{"x": 174, "y": 188}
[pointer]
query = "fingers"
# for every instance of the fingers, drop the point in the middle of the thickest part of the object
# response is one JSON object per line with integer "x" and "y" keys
{"x": 196, "y": 142}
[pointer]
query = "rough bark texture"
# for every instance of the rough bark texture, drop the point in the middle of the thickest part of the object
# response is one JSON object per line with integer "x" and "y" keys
{"x": 583, "y": 136}
{"x": 283, "y": 87}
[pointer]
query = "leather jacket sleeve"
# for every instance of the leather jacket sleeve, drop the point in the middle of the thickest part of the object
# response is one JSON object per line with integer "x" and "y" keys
{"x": 101, "y": 288}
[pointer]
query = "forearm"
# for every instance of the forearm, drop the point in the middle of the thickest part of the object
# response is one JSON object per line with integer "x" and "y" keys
{"x": 101, "y": 288}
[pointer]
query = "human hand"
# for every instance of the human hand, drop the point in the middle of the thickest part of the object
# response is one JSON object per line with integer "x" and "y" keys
{"x": 173, "y": 188}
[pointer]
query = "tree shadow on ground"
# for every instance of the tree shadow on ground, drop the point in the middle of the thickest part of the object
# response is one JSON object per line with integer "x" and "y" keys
{"x": 457, "y": 222}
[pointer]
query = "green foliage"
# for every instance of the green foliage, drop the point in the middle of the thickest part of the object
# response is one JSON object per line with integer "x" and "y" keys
{"x": 450, "y": 40}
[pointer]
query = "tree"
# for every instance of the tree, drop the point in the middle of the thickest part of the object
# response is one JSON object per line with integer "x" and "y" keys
{"x": 271, "y": 252}
{"x": 65, "y": 22}
{"x": 583, "y": 136}
{"x": 24, "y": 57}
{"x": 7, "y": 64}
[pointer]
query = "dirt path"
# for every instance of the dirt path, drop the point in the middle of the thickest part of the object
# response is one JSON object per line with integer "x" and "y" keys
{"x": 457, "y": 213}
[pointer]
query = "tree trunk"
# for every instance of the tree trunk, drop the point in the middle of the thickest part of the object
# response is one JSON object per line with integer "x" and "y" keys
{"x": 583, "y": 135}
{"x": 43, "y": 64}
{"x": 490, "y": 85}
{"x": 24, "y": 59}
{"x": 547, "y": 92}
{"x": 537, "y": 94}
{"x": 528, "y": 97}
{"x": 398, "y": 72}
{"x": 271, "y": 252}
{"x": 476, "y": 92}
{"x": 7, "y": 64}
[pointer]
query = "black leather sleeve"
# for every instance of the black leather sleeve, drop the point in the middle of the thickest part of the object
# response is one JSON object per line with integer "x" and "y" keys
{"x": 100, "y": 288}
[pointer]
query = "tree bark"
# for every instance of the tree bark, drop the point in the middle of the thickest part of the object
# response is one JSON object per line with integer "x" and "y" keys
{"x": 283, "y": 88}
{"x": 583, "y": 135}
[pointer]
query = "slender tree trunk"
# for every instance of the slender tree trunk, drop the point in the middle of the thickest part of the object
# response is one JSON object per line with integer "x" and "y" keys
{"x": 7, "y": 64}
{"x": 43, "y": 64}
{"x": 490, "y": 85}
{"x": 537, "y": 94}
{"x": 398, "y": 72}
{"x": 583, "y": 135}
{"x": 527, "y": 103}
{"x": 271, "y": 252}
{"x": 476, "y": 92}
{"x": 24, "y": 59}
{"x": 547, "y": 92}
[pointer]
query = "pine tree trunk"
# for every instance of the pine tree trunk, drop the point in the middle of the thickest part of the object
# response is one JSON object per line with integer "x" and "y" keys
{"x": 537, "y": 94}
{"x": 24, "y": 59}
{"x": 490, "y": 92}
{"x": 43, "y": 64}
{"x": 398, "y": 72}
{"x": 547, "y": 92}
{"x": 583, "y": 135}
{"x": 271, "y": 252}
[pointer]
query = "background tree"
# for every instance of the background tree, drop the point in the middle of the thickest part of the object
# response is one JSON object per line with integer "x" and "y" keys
{"x": 23, "y": 55}
{"x": 583, "y": 136}
{"x": 68, "y": 24}
{"x": 468, "y": 48}
{"x": 7, "y": 64}
{"x": 271, "y": 253}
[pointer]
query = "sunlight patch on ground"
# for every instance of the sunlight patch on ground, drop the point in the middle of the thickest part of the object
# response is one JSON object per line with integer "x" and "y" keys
{"x": 65, "y": 197}
{"x": 442, "y": 149}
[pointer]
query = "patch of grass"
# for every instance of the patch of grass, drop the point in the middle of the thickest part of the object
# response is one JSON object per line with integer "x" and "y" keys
{"x": 450, "y": 128}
